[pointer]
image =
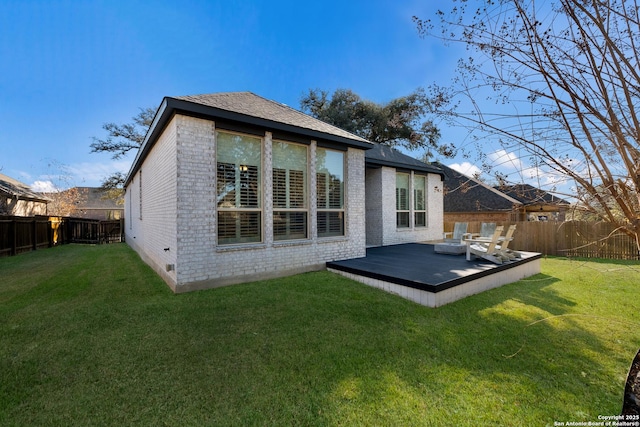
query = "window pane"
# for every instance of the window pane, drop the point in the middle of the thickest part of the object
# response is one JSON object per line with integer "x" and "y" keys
{"x": 289, "y": 225}
{"x": 290, "y": 167}
{"x": 418, "y": 193}
{"x": 402, "y": 219}
{"x": 330, "y": 179}
{"x": 238, "y": 171}
{"x": 238, "y": 149}
{"x": 289, "y": 175}
{"x": 330, "y": 224}
{"x": 238, "y": 188}
{"x": 330, "y": 191}
{"x": 239, "y": 227}
{"x": 402, "y": 192}
{"x": 420, "y": 219}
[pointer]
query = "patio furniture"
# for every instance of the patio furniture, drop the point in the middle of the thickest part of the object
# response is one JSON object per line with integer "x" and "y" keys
{"x": 487, "y": 229}
{"x": 455, "y": 244}
{"x": 458, "y": 234}
{"x": 486, "y": 248}
{"x": 503, "y": 247}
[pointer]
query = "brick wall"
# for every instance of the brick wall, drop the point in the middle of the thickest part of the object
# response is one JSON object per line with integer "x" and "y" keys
{"x": 150, "y": 208}
{"x": 374, "y": 207}
{"x": 179, "y": 213}
{"x": 391, "y": 234}
{"x": 196, "y": 196}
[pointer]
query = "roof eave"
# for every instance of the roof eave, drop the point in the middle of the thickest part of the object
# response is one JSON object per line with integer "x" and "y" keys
{"x": 397, "y": 165}
{"x": 171, "y": 106}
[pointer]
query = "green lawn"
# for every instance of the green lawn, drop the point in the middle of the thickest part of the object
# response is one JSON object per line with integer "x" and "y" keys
{"x": 89, "y": 335}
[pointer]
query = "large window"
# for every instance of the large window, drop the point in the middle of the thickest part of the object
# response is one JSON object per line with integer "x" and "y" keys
{"x": 330, "y": 192}
{"x": 419, "y": 201}
{"x": 239, "y": 192}
{"x": 402, "y": 200}
{"x": 290, "y": 205}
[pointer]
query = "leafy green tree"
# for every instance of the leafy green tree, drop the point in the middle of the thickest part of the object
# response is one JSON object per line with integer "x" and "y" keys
{"x": 400, "y": 122}
{"x": 563, "y": 86}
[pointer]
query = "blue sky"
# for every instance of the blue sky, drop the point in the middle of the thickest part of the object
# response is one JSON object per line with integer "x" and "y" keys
{"x": 70, "y": 66}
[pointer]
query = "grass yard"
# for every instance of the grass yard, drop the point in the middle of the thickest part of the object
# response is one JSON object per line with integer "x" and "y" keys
{"x": 89, "y": 335}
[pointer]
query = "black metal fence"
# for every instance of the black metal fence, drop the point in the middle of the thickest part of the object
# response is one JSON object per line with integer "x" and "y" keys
{"x": 24, "y": 234}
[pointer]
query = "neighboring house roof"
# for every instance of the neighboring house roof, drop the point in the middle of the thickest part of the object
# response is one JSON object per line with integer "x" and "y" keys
{"x": 245, "y": 108}
{"x": 16, "y": 189}
{"x": 465, "y": 194}
{"x": 383, "y": 155}
{"x": 94, "y": 198}
{"x": 530, "y": 195}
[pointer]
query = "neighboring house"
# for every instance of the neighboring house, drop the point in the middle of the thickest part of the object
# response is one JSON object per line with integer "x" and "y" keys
{"x": 403, "y": 198}
{"x": 17, "y": 199}
{"x": 232, "y": 187}
{"x": 94, "y": 203}
{"x": 536, "y": 204}
{"x": 468, "y": 200}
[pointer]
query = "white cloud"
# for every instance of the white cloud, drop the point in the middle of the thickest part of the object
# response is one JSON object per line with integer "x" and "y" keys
{"x": 501, "y": 158}
{"x": 43, "y": 187}
{"x": 467, "y": 169}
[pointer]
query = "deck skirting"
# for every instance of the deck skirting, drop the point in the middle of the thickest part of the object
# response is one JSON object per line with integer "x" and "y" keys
{"x": 438, "y": 281}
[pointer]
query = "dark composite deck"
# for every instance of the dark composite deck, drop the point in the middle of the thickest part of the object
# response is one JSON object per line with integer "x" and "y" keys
{"x": 417, "y": 266}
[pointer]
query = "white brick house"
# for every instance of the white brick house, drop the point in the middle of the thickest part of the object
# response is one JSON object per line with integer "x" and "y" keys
{"x": 404, "y": 198}
{"x": 232, "y": 187}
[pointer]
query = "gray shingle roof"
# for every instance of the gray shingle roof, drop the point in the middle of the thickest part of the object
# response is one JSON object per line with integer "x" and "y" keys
{"x": 95, "y": 198}
{"x": 528, "y": 194}
{"x": 14, "y": 188}
{"x": 252, "y": 105}
{"x": 465, "y": 194}
{"x": 383, "y": 155}
{"x": 248, "y": 109}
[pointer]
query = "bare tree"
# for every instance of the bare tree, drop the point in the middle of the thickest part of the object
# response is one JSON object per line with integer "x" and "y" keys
{"x": 66, "y": 202}
{"x": 564, "y": 78}
{"x": 119, "y": 141}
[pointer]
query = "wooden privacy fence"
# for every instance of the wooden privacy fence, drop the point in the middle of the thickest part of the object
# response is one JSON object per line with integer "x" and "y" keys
{"x": 570, "y": 238}
{"x": 24, "y": 234}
